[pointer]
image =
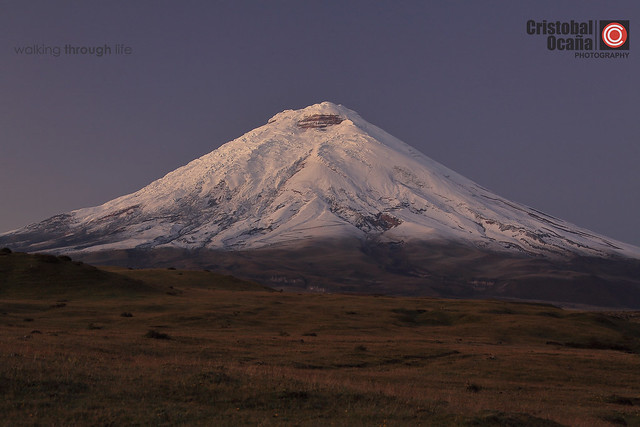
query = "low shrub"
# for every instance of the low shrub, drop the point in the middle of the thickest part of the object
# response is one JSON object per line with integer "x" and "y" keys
{"x": 157, "y": 335}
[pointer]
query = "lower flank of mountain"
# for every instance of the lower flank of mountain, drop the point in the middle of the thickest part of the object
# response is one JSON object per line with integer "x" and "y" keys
{"x": 430, "y": 269}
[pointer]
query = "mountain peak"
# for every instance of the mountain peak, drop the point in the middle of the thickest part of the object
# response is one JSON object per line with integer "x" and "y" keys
{"x": 325, "y": 108}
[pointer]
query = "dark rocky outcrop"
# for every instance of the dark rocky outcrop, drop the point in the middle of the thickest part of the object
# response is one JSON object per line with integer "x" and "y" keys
{"x": 320, "y": 121}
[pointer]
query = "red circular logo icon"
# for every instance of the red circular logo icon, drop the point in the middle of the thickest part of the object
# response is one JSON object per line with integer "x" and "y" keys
{"x": 614, "y": 35}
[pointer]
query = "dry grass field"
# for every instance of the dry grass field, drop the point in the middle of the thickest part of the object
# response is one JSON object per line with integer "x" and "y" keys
{"x": 176, "y": 347}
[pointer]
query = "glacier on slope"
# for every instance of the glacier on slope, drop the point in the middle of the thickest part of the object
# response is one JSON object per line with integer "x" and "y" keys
{"x": 318, "y": 172}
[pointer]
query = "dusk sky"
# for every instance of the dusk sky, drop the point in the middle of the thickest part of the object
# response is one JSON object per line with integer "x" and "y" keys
{"x": 462, "y": 82}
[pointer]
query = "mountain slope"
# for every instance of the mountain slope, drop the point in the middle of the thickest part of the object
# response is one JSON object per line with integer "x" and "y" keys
{"x": 320, "y": 172}
{"x": 48, "y": 276}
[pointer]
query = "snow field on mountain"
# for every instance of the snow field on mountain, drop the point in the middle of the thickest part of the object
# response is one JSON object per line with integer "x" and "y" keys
{"x": 322, "y": 172}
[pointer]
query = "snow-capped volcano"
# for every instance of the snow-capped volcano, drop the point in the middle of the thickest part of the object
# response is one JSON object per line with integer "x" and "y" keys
{"x": 318, "y": 172}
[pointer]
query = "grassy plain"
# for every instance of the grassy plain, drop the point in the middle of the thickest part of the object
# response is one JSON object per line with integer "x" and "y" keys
{"x": 170, "y": 350}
